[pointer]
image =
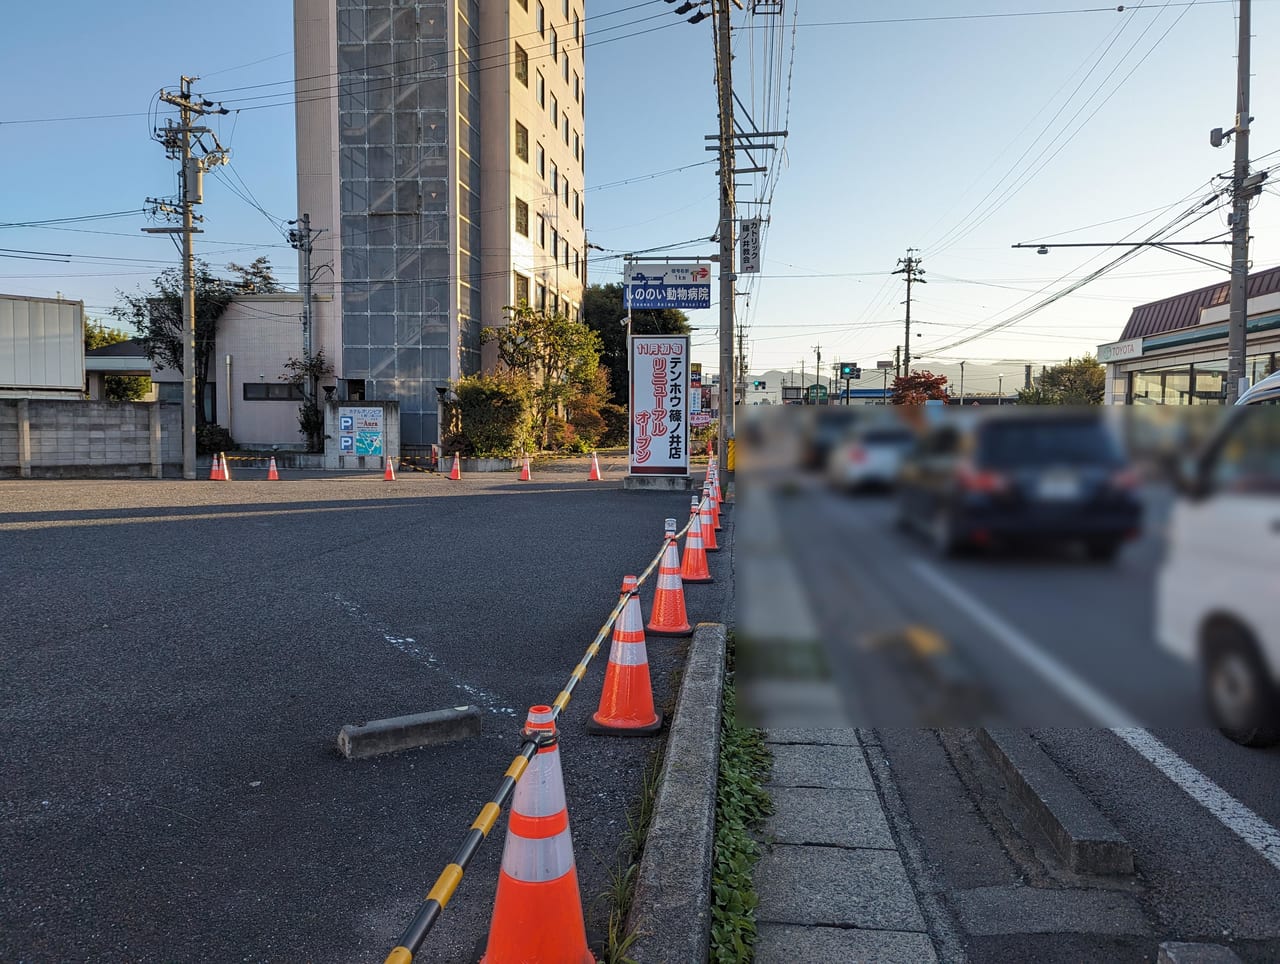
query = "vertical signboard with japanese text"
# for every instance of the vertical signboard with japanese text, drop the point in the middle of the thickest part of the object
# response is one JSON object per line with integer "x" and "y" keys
{"x": 360, "y": 430}
{"x": 749, "y": 246}
{"x": 659, "y": 405}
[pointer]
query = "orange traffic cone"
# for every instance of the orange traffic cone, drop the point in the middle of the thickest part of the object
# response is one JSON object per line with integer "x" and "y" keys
{"x": 693, "y": 567}
{"x": 389, "y": 473}
{"x": 215, "y": 469}
{"x": 626, "y": 705}
{"x": 226, "y": 469}
{"x": 668, "y": 617}
{"x": 455, "y": 473}
{"x": 272, "y": 474}
{"x": 594, "y": 475}
{"x": 708, "y": 525}
{"x": 525, "y": 475}
{"x": 537, "y": 913}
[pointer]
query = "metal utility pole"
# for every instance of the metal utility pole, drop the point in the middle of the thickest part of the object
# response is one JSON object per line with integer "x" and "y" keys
{"x": 1236, "y": 327}
{"x": 910, "y": 266}
{"x": 301, "y": 239}
{"x": 178, "y": 141}
{"x": 897, "y": 361}
{"x": 724, "y": 89}
{"x": 962, "y": 383}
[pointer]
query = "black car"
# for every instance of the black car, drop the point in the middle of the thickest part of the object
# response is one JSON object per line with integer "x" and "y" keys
{"x": 1024, "y": 477}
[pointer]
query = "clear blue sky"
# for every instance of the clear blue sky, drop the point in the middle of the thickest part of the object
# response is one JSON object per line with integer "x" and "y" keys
{"x": 903, "y": 134}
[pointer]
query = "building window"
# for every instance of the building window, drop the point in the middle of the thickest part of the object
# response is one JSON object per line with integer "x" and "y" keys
{"x": 566, "y": 9}
{"x": 555, "y": 245}
{"x": 555, "y": 178}
{"x": 566, "y": 252}
{"x": 540, "y": 89}
{"x": 522, "y": 142}
{"x": 542, "y": 297}
{"x": 542, "y": 232}
{"x": 542, "y": 21}
{"x": 565, "y": 182}
{"x": 577, "y": 264}
{"x": 540, "y": 161}
{"x": 577, "y": 205}
{"x": 272, "y": 392}
{"x": 524, "y": 4}
{"x": 555, "y": 44}
{"x": 522, "y": 288}
{"x": 577, "y": 88}
{"x": 564, "y": 68}
{"x": 555, "y": 108}
{"x": 522, "y": 218}
{"x": 577, "y": 28}
{"x": 564, "y": 128}
{"x": 522, "y": 65}
{"x": 577, "y": 146}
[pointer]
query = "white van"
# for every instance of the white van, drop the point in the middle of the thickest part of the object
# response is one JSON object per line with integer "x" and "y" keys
{"x": 1218, "y": 590}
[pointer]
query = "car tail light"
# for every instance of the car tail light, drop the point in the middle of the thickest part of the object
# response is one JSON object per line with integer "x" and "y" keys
{"x": 857, "y": 454}
{"x": 973, "y": 479}
{"x": 1126, "y": 479}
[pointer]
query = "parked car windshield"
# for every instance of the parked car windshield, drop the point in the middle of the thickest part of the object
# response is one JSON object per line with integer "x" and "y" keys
{"x": 1039, "y": 442}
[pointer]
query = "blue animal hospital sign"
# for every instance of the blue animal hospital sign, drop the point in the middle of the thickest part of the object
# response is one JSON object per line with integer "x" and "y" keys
{"x": 659, "y": 285}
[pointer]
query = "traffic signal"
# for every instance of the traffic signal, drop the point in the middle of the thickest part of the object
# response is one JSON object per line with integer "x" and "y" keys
{"x": 849, "y": 370}
{"x": 758, "y": 385}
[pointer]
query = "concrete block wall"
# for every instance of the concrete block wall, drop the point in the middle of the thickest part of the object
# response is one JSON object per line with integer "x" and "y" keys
{"x": 44, "y": 437}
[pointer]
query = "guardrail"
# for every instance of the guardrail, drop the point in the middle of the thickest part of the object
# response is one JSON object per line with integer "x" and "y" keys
{"x": 447, "y": 883}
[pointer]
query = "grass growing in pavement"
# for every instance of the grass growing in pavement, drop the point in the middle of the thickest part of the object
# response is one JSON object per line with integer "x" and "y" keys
{"x": 741, "y": 806}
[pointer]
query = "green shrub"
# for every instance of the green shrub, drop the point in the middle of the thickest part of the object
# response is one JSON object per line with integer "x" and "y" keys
{"x": 617, "y": 426}
{"x": 490, "y": 416}
{"x": 213, "y": 438}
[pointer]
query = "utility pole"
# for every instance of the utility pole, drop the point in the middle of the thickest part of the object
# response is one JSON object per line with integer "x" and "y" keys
{"x": 897, "y": 361}
{"x": 1236, "y": 326}
{"x": 962, "y": 383}
{"x": 817, "y": 371}
{"x": 910, "y": 266}
{"x": 301, "y": 239}
{"x": 728, "y": 147}
{"x": 178, "y": 141}
{"x": 742, "y": 366}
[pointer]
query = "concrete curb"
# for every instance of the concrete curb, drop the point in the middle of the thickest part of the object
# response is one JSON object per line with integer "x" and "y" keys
{"x": 1180, "y": 952}
{"x": 671, "y": 906}
{"x": 356, "y": 742}
{"x": 1086, "y": 841}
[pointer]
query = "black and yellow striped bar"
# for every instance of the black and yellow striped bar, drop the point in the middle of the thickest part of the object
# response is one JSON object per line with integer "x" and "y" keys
{"x": 447, "y": 883}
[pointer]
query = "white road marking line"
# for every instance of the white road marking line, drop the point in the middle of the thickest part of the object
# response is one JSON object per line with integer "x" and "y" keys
{"x": 1230, "y": 812}
{"x": 1095, "y": 705}
{"x": 409, "y": 646}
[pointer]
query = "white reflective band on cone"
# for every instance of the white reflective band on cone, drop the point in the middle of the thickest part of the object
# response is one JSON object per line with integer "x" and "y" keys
{"x": 631, "y": 621}
{"x": 540, "y": 792}
{"x": 627, "y": 654}
{"x": 669, "y": 580}
{"x": 540, "y": 860}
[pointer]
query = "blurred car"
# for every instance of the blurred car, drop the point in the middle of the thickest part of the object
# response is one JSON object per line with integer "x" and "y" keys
{"x": 1218, "y": 587}
{"x": 830, "y": 424}
{"x": 1266, "y": 392}
{"x": 986, "y": 479}
{"x": 869, "y": 458}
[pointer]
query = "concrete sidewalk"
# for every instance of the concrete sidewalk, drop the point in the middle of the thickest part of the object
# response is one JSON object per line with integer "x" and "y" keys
{"x": 831, "y": 882}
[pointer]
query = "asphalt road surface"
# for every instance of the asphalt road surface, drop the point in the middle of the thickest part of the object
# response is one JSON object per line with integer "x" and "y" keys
{"x": 176, "y": 660}
{"x": 1063, "y": 647}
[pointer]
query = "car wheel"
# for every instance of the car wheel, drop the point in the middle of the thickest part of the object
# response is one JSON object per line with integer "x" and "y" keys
{"x": 1242, "y": 699}
{"x": 1102, "y": 550}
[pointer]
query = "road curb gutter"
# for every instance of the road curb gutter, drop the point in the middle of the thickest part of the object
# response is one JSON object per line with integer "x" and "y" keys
{"x": 1181, "y": 952}
{"x": 671, "y": 906}
{"x": 359, "y": 741}
{"x": 1086, "y": 840}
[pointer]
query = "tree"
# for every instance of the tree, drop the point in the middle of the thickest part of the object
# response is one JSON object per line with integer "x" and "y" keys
{"x": 115, "y": 388}
{"x": 157, "y": 315}
{"x": 303, "y": 373}
{"x": 556, "y": 353}
{"x": 603, "y": 312}
{"x": 918, "y": 387}
{"x": 1077, "y": 381}
{"x": 489, "y": 415}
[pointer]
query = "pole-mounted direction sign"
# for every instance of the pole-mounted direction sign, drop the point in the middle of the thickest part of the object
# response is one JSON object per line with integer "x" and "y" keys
{"x": 658, "y": 285}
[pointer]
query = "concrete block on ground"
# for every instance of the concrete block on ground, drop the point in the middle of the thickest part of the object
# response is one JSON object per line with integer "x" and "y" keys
{"x": 657, "y": 483}
{"x": 779, "y": 943}
{"x": 806, "y": 816}
{"x": 831, "y": 887}
{"x": 671, "y": 906}
{"x": 1087, "y": 841}
{"x": 358, "y": 741}
{"x": 829, "y": 767}
{"x": 1183, "y": 952}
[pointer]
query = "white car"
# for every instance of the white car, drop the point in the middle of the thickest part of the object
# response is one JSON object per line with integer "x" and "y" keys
{"x": 870, "y": 457}
{"x": 1218, "y": 590}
